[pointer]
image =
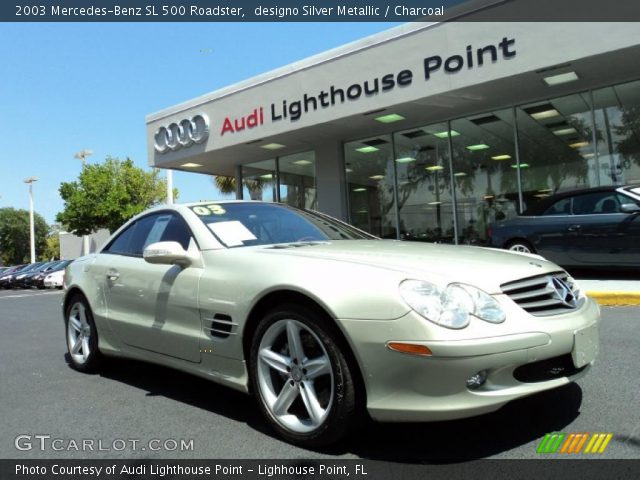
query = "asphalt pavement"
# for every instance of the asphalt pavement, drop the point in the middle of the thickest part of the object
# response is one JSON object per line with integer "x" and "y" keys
{"x": 131, "y": 408}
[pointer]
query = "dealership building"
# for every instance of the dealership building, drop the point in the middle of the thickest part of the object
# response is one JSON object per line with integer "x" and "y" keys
{"x": 427, "y": 131}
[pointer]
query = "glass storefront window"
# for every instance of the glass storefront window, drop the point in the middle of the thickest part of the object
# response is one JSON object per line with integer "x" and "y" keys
{"x": 617, "y": 122}
{"x": 424, "y": 186}
{"x": 556, "y": 147}
{"x": 581, "y": 140}
{"x": 485, "y": 182}
{"x": 370, "y": 184}
{"x": 298, "y": 180}
{"x": 259, "y": 180}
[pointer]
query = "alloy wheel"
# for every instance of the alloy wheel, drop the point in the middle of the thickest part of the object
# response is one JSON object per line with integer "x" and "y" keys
{"x": 295, "y": 376}
{"x": 78, "y": 333}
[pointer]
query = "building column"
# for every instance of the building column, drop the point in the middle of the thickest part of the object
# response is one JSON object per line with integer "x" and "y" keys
{"x": 330, "y": 179}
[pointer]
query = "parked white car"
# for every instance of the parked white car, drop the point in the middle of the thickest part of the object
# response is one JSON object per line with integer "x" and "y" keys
{"x": 54, "y": 279}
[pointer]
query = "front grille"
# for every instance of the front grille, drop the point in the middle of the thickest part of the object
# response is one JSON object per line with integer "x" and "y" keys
{"x": 549, "y": 369}
{"x": 540, "y": 297}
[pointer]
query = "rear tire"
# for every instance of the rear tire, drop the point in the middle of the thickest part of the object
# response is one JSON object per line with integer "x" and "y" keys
{"x": 81, "y": 335}
{"x": 303, "y": 383}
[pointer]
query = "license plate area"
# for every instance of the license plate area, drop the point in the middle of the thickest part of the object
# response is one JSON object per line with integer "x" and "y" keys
{"x": 585, "y": 345}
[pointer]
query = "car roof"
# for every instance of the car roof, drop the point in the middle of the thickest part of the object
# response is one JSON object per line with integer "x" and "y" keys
{"x": 541, "y": 206}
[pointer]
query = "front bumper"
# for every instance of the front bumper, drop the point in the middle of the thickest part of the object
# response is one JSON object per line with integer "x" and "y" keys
{"x": 403, "y": 387}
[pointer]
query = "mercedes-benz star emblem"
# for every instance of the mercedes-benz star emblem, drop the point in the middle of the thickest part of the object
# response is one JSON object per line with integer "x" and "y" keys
{"x": 562, "y": 292}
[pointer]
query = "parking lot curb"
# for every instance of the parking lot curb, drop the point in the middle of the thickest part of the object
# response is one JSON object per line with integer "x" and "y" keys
{"x": 616, "y": 298}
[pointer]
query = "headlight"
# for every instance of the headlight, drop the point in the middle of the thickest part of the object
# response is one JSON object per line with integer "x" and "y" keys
{"x": 452, "y": 306}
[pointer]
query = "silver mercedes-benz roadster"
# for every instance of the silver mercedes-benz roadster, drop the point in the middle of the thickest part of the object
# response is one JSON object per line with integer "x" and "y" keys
{"x": 322, "y": 322}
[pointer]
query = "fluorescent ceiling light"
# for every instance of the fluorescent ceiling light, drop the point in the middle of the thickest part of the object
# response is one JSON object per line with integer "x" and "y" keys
{"x": 579, "y": 144}
{"x": 360, "y": 189}
{"x": 190, "y": 165}
{"x": 434, "y": 168}
{"x": 272, "y": 146}
{"x": 267, "y": 176}
{"x": 479, "y": 146}
{"x": 588, "y": 155}
{"x": 376, "y": 177}
{"x": 546, "y": 190}
{"x": 565, "y": 131}
{"x": 545, "y": 114}
{"x": 504, "y": 156}
{"x": 488, "y": 197}
{"x": 446, "y": 134}
{"x": 405, "y": 160}
{"x": 541, "y": 195}
{"x": 390, "y": 118}
{"x": 459, "y": 174}
{"x": 348, "y": 170}
{"x": 434, "y": 203}
{"x": 368, "y": 149}
{"x": 522, "y": 165}
{"x": 303, "y": 162}
{"x": 561, "y": 78}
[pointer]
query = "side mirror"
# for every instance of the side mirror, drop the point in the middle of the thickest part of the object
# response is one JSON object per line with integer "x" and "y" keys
{"x": 629, "y": 208}
{"x": 166, "y": 253}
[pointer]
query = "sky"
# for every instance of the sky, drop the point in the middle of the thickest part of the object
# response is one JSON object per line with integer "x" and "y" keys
{"x": 65, "y": 87}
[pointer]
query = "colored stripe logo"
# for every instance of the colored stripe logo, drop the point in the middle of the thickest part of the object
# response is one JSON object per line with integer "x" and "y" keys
{"x": 568, "y": 443}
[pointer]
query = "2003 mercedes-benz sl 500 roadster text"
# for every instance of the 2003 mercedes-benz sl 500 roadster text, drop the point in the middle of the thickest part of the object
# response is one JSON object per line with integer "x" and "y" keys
{"x": 322, "y": 322}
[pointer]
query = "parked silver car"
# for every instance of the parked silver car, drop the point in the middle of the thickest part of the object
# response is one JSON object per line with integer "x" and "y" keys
{"x": 323, "y": 322}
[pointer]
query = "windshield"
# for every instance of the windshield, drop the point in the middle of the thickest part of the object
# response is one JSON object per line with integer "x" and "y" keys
{"x": 246, "y": 224}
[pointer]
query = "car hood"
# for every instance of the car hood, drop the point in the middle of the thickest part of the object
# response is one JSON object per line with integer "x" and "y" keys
{"x": 483, "y": 267}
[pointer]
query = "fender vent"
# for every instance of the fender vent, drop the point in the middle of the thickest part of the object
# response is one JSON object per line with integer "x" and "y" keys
{"x": 220, "y": 326}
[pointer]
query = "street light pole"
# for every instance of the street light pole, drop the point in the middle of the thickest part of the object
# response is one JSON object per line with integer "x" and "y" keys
{"x": 32, "y": 237}
{"x": 82, "y": 156}
{"x": 169, "y": 186}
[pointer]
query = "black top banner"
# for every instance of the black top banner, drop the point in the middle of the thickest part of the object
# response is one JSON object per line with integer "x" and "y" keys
{"x": 318, "y": 10}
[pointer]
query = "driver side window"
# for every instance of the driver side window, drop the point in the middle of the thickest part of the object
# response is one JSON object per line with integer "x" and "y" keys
{"x": 159, "y": 227}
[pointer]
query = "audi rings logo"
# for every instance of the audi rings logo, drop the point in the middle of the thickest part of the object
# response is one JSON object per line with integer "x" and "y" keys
{"x": 183, "y": 134}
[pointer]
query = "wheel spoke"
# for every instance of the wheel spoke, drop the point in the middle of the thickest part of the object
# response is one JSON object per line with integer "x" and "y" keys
{"x": 316, "y": 367}
{"x": 286, "y": 397}
{"x": 275, "y": 360}
{"x": 76, "y": 345}
{"x": 315, "y": 410}
{"x": 75, "y": 323}
{"x": 85, "y": 346}
{"x": 295, "y": 342}
{"x": 82, "y": 314}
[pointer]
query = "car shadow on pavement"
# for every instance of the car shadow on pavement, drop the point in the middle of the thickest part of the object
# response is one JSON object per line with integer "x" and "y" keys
{"x": 518, "y": 423}
{"x": 182, "y": 387}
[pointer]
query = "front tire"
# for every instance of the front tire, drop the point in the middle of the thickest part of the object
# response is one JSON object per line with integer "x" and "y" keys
{"x": 303, "y": 383}
{"x": 81, "y": 334}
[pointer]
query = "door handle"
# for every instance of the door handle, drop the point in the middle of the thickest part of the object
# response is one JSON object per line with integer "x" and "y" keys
{"x": 574, "y": 228}
{"x": 113, "y": 275}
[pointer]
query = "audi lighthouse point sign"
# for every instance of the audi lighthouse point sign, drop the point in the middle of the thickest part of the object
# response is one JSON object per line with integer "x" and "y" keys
{"x": 182, "y": 134}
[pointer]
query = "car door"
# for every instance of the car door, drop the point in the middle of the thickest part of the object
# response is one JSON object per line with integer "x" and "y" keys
{"x": 153, "y": 307}
{"x": 548, "y": 232}
{"x": 606, "y": 234}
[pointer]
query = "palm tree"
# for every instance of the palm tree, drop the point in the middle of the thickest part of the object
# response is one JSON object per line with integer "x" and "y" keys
{"x": 227, "y": 185}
